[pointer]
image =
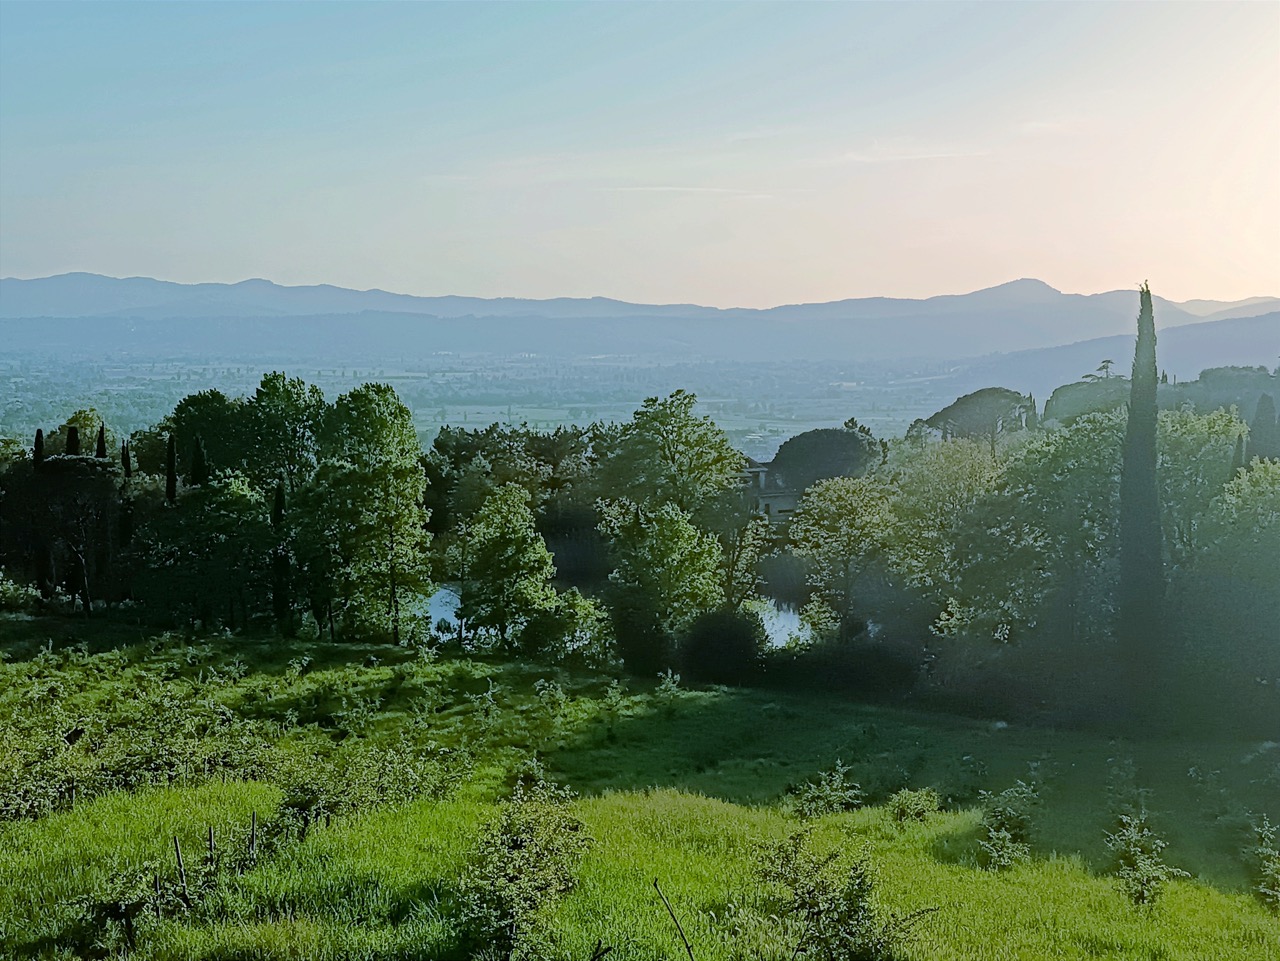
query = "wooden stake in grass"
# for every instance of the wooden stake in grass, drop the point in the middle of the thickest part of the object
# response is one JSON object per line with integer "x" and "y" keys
{"x": 687, "y": 946}
{"x": 182, "y": 871}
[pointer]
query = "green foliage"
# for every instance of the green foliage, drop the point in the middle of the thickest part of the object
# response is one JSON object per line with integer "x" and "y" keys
{"x": 816, "y": 455}
{"x": 17, "y": 598}
{"x": 833, "y": 791}
{"x": 502, "y": 568}
{"x": 982, "y": 415}
{"x": 907, "y": 805}
{"x": 844, "y": 527}
{"x": 829, "y": 903}
{"x": 1140, "y": 869}
{"x": 724, "y": 647}
{"x": 666, "y": 454}
{"x": 935, "y": 487}
{"x": 663, "y": 565}
{"x": 1264, "y": 856}
{"x": 377, "y": 871}
{"x": 1141, "y": 587}
{"x": 1006, "y": 823}
{"x": 525, "y": 861}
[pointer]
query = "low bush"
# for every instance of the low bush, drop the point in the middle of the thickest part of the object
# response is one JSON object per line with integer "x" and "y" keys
{"x": 1007, "y": 826}
{"x": 833, "y": 791}
{"x": 828, "y": 903}
{"x": 525, "y": 860}
{"x": 1265, "y": 862}
{"x": 1140, "y": 869}
{"x": 907, "y": 805}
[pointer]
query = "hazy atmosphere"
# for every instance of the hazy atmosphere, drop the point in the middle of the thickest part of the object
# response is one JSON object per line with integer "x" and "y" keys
{"x": 639, "y": 481}
{"x": 720, "y": 154}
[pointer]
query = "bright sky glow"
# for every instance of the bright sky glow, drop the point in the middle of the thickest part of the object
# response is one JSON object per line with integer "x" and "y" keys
{"x": 721, "y": 154}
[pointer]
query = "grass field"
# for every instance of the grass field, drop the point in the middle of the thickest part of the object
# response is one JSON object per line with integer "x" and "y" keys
{"x": 684, "y": 786}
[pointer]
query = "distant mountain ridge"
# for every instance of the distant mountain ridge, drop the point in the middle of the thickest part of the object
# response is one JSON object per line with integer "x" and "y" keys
{"x": 1019, "y": 315}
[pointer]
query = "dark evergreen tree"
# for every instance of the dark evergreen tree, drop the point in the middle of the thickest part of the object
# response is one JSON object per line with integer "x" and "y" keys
{"x": 199, "y": 473}
{"x": 281, "y": 573}
{"x": 1141, "y": 595}
{"x": 171, "y": 471}
{"x": 1264, "y": 432}
{"x": 101, "y": 449}
{"x": 1033, "y": 417}
{"x": 37, "y": 452}
{"x": 126, "y": 460}
{"x": 1237, "y": 461}
{"x": 73, "y": 441}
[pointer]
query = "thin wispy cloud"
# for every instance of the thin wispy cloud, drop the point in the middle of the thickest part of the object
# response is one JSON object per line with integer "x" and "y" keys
{"x": 675, "y": 189}
{"x": 896, "y": 152}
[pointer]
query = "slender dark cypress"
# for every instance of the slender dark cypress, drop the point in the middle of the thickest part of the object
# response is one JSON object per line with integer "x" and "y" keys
{"x": 171, "y": 471}
{"x": 1264, "y": 432}
{"x": 73, "y": 441}
{"x": 1237, "y": 461}
{"x": 101, "y": 450}
{"x": 281, "y": 598}
{"x": 1141, "y": 593}
{"x": 37, "y": 452}
{"x": 199, "y": 464}
{"x": 126, "y": 461}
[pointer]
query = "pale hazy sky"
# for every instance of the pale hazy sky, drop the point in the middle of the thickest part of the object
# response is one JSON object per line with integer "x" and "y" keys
{"x": 722, "y": 154}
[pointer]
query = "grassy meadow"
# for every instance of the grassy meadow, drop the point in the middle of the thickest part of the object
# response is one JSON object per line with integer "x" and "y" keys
{"x": 118, "y": 742}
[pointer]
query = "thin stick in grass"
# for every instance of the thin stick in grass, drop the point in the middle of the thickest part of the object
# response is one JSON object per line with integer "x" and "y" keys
{"x": 687, "y": 946}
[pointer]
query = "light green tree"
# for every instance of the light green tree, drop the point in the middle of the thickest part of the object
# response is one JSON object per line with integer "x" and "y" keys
{"x": 844, "y": 526}
{"x": 935, "y": 486}
{"x": 668, "y": 454}
{"x": 284, "y": 420}
{"x": 362, "y": 543}
{"x": 666, "y": 572}
{"x": 502, "y": 568}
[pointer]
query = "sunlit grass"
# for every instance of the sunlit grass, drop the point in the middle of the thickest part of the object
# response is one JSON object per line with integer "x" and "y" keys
{"x": 683, "y": 790}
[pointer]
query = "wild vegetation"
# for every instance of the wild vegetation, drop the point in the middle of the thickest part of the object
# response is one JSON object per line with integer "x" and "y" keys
{"x": 1034, "y": 674}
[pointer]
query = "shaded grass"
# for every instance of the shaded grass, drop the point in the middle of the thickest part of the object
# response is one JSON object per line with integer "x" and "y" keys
{"x": 683, "y": 789}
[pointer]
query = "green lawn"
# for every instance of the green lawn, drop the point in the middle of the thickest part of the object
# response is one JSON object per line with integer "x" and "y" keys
{"x": 684, "y": 788}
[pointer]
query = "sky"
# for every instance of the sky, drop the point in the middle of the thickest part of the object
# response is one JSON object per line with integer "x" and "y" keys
{"x": 724, "y": 154}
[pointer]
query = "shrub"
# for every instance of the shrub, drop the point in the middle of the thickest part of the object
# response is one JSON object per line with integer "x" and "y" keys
{"x": 526, "y": 859}
{"x": 17, "y": 598}
{"x": 829, "y": 902}
{"x": 1266, "y": 862}
{"x": 1140, "y": 869}
{"x": 1007, "y": 823}
{"x": 907, "y": 805}
{"x": 668, "y": 691}
{"x": 724, "y": 647}
{"x": 834, "y": 791}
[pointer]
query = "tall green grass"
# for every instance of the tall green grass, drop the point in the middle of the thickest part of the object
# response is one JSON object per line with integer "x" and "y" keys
{"x": 682, "y": 789}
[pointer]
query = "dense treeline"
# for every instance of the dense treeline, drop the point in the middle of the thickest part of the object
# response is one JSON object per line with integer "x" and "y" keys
{"x": 976, "y": 559}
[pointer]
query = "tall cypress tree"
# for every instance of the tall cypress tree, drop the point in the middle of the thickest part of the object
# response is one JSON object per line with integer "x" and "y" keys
{"x": 199, "y": 464}
{"x": 171, "y": 471}
{"x": 1237, "y": 461}
{"x": 101, "y": 450}
{"x": 1141, "y": 593}
{"x": 126, "y": 460}
{"x": 37, "y": 452}
{"x": 1264, "y": 432}
{"x": 73, "y": 440}
{"x": 281, "y": 598}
